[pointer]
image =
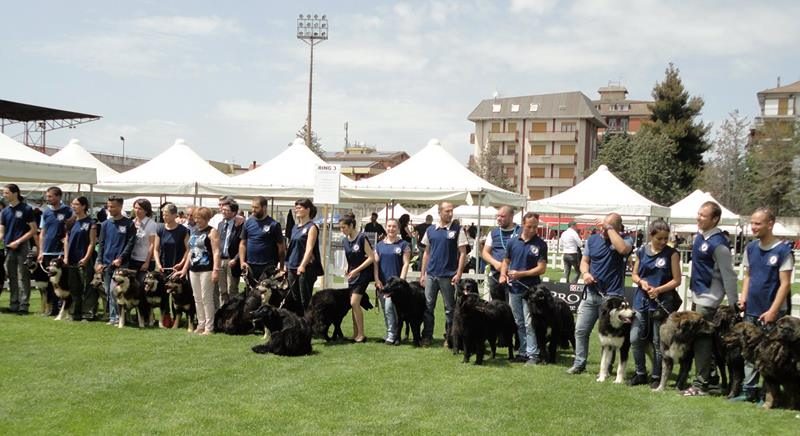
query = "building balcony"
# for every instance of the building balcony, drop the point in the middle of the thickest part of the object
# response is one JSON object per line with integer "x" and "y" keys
{"x": 502, "y": 136}
{"x": 551, "y": 182}
{"x": 553, "y": 136}
{"x": 507, "y": 159}
{"x": 551, "y": 159}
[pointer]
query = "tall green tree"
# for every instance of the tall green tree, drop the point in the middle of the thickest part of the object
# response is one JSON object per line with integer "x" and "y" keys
{"x": 674, "y": 114}
{"x": 316, "y": 145}
{"x": 488, "y": 167}
{"x": 645, "y": 162}
{"x": 773, "y": 169}
{"x": 725, "y": 166}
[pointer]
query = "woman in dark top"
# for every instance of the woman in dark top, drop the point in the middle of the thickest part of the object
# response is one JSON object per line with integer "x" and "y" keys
{"x": 405, "y": 229}
{"x": 78, "y": 253}
{"x": 392, "y": 257}
{"x": 303, "y": 261}
{"x": 360, "y": 270}
{"x": 170, "y": 251}
{"x": 203, "y": 267}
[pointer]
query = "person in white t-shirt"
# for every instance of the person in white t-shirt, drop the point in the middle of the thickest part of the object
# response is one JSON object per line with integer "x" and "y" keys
{"x": 571, "y": 244}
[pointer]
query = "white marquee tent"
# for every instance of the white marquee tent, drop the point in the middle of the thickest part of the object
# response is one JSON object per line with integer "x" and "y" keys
{"x": 395, "y": 212}
{"x": 685, "y": 211}
{"x": 599, "y": 194}
{"x": 21, "y": 164}
{"x": 430, "y": 175}
{"x": 288, "y": 175}
{"x": 178, "y": 170}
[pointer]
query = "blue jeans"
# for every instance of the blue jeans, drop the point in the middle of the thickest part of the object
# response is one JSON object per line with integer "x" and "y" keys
{"x": 113, "y": 315}
{"x": 432, "y": 287}
{"x": 588, "y": 312}
{"x": 522, "y": 316}
{"x": 638, "y": 344}
{"x": 390, "y": 318}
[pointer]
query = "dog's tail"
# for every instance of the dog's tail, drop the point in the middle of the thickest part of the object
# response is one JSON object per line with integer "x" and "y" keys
{"x": 365, "y": 303}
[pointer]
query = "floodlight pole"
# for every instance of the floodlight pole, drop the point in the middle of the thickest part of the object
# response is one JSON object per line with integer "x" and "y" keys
{"x": 312, "y": 30}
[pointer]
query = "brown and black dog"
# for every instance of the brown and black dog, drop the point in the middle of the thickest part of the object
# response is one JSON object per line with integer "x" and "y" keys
{"x": 677, "y": 342}
{"x": 180, "y": 289}
{"x": 59, "y": 277}
{"x": 129, "y": 294}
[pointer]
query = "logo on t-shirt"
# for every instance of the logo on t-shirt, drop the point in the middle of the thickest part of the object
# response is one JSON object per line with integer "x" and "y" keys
{"x": 773, "y": 260}
{"x": 397, "y": 250}
{"x": 60, "y": 217}
{"x": 660, "y": 262}
{"x": 704, "y": 247}
{"x": 18, "y": 214}
{"x": 355, "y": 247}
{"x": 122, "y": 229}
{"x": 266, "y": 228}
{"x": 534, "y": 250}
{"x": 451, "y": 234}
{"x": 85, "y": 226}
{"x": 305, "y": 230}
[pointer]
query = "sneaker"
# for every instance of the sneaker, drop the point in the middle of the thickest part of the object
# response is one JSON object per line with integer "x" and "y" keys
{"x": 743, "y": 397}
{"x": 520, "y": 358}
{"x": 576, "y": 370}
{"x": 425, "y": 342}
{"x": 638, "y": 379}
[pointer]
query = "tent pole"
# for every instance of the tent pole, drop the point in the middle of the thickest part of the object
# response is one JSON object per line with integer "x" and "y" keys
{"x": 194, "y": 199}
{"x": 325, "y": 247}
{"x": 478, "y": 233}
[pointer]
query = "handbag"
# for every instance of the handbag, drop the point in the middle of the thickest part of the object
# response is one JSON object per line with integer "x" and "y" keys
{"x": 667, "y": 303}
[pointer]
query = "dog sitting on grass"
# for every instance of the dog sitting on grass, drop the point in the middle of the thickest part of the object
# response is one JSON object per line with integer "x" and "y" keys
{"x": 182, "y": 301}
{"x": 552, "y": 321}
{"x": 57, "y": 272}
{"x": 289, "y": 334}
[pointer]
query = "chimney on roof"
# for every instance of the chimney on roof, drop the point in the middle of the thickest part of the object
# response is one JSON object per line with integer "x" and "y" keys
{"x": 779, "y": 82}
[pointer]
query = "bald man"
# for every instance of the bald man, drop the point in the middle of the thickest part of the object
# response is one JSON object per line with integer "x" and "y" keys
{"x": 603, "y": 270}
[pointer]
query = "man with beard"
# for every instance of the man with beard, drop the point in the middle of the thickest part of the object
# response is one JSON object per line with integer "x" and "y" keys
{"x": 494, "y": 249}
{"x": 262, "y": 245}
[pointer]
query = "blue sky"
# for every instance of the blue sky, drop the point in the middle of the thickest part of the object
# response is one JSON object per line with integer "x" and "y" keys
{"x": 231, "y": 78}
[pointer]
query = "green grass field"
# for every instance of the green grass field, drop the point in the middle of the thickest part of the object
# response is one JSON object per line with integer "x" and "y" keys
{"x": 67, "y": 377}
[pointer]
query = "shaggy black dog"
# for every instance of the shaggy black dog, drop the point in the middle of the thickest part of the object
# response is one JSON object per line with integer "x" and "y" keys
{"x": 409, "y": 303}
{"x": 473, "y": 327}
{"x": 677, "y": 341}
{"x": 455, "y": 335}
{"x": 502, "y": 326}
{"x": 614, "y": 330}
{"x": 234, "y": 317}
{"x": 728, "y": 354}
{"x": 182, "y": 301}
{"x": 289, "y": 335}
{"x": 129, "y": 294}
{"x": 552, "y": 322}
{"x": 57, "y": 271}
{"x": 776, "y": 355}
{"x": 328, "y": 307}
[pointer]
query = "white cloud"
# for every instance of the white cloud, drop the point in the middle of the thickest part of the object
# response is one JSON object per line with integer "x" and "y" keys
{"x": 538, "y": 7}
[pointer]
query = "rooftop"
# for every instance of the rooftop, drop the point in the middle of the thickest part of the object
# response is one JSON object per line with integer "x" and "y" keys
{"x": 26, "y": 112}
{"x": 787, "y": 89}
{"x": 545, "y": 106}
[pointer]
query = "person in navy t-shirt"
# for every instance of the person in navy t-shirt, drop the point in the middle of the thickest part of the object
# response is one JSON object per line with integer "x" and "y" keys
{"x": 78, "y": 254}
{"x": 603, "y": 270}
{"x": 442, "y": 264}
{"x": 494, "y": 249}
{"x": 392, "y": 258}
{"x": 17, "y": 229}
{"x": 657, "y": 270}
{"x": 524, "y": 261}
{"x": 262, "y": 246}
{"x": 768, "y": 266}
{"x": 360, "y": 270}
{"x": 53, "y": 229}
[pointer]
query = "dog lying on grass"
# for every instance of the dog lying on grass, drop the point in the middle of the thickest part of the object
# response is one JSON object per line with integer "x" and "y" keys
{"x": 289, "y": 334}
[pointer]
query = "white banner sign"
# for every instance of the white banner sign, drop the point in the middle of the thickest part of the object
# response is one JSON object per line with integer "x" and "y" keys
{"x": 326, "y": 184}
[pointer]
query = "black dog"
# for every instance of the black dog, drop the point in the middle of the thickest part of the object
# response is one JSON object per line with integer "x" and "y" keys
{"x": 182, "y": 301}
{"x": 728, "y": 354}
{"x": 552, "y": 322}
{"x": 57, "y": 270}
{"x": 234, "y": 317}
{"x": 614, "y": 330}
{"x": 129, "y": 294}
{"x": 778, "y": 361}
{"x": 328, "y": 307}
{"x": 455, "y": 334}
{"x": 289, "y": 334}
{"x": 502, "y": 327}
{"x": 409, "y": 303}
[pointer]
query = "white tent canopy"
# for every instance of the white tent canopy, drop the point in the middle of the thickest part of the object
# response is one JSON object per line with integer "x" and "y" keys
{"x": 75, "y": 154}
{"x": 395, "y": 212}
{"x": 19, "y": 163}
{"x": 430, "y": 175}
{"x": 176, "y": 171}
{"x": 599, "y": 194}
{"x": 685, "y": 211}
{"x": 465, "y": 214}
{"x": 288, "y": 175}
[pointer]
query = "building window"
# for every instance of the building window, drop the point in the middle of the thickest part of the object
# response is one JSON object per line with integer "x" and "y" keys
{"x": 566, "y": 172}
{"x": 514, "y": 108}
{"x": 537, "y": 172}
{"x": 537, "y": 194}
{"x": 496, "y": 127}
{"x": 567, "y": 149}
{"x": 539, "y": 127}
{"x": 538, "y": 149}
{"x": 511, "y": 127}
{"x": 568, "y": 127}
{"x": 783, "y": 106}
{"x": 771, "y": 107}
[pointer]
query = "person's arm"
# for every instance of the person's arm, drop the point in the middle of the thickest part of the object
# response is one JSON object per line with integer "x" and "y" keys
{"x": 675, "y": 266}
{"x": 504, "y": 270}
{"x": 620, "y": 245}
{"x": 281, "y": 251}
{"x": 130, "y": 242}
{"x": 376, "y": 271}
{"x": 243, "y": 249}
{"x": 588, "y": 278}
{"x": 486, "y": 253}
{"x": 424, "y": 267}
{"x": 745, "y": 282}
{"x": 309, "y": 253}
{"x": 98, "y": 265}
{"x": 150, "y": 246}
{"x": 157, "y": 252}
{"x": 179, "y": 269}
{"x": 217, "y": 265}
{"x": 723, "y": 261}
{"x": 406, "y": 262}
{"x": 462, "y": 256}
{"x": 39, "y": 239}
{"x": 635, "y": 279}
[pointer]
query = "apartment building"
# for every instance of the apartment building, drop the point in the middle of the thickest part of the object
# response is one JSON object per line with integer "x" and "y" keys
{"x": 360, "y": 161}
{"x": 779, "y": 105}
{"x": 621, "y": 114}
{"x": 545, "y": 143}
